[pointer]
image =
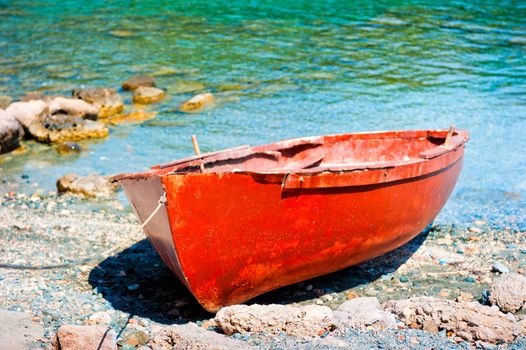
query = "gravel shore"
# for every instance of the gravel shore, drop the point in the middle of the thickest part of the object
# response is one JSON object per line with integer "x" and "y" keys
{"x": 65, "y": 260}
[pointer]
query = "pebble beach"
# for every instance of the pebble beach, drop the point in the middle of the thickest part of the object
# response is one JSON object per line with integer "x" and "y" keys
{"x": 60, "y": 271}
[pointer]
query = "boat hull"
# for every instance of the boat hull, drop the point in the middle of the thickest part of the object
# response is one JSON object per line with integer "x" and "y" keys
{"x": 231, "y": 236}
{"x": 237, "y": 238}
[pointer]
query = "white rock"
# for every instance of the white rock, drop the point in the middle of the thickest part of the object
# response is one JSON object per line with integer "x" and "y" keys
{"x": 363, "y": 312}
{"x": 303, "y": 321}
{"x": 509, "y": 292}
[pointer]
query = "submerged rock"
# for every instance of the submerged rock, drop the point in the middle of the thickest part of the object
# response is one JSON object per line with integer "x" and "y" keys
{"x": 5, "y": 101}
{"x": 134, "y": 117}
{"x": 34, "y": 96}
{"x": 138, "y": 81}
{"x": 182, "y": 86}
{"x": 197, "y": 102}
{"x": 508, "y": 292}
{"x": 469, "y": 321}
{"x": 304, "y": 321}
{"x": 61, "y": 128}
{"x": 68, "y": 147}
{"x": 11, "y": 133}
{"x": 146, "y": 95}
{"x": 72, "y": 337}
{"x": 123, "y": 33}
{"x": 89, "y": 186}
{"x": 362, "y": 313}
{"x": 108, "y": 101}
{"x": 191, "y": 337}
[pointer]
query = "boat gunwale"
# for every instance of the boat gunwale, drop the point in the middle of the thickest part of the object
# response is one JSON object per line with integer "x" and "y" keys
{"x": 460, "y": 137}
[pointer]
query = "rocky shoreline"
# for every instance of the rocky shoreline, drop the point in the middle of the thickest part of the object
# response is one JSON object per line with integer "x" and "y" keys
{"x": 86, "y": 114}
{"x": 451, "y": 287}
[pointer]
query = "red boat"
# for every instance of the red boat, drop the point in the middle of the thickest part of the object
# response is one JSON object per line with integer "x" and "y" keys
{"x": 237, "y": 223}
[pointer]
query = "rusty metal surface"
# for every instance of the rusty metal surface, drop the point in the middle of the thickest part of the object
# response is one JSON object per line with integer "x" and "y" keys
{"x": 254, "y": 223}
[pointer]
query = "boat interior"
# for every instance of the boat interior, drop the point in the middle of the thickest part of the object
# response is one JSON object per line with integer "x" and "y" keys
{"x": 314, "y": 154}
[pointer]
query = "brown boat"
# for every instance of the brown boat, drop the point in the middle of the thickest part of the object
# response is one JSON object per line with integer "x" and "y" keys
{"x": 237, "y": 223}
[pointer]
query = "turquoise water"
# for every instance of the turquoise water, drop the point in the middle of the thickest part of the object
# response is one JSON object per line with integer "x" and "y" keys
{"x": 285, "y": 69}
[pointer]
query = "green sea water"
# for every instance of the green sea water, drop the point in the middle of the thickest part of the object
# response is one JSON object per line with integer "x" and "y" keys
{"x": 283, "y": 69}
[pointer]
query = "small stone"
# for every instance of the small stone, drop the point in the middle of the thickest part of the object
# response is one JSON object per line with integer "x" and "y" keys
{"x": 72, "y": 337}
{"x": 100, "y": 317}
{"x": 137, "y": 81}
{"x": 327, "y": 297}
{"x": 351, "y": 295}
{"x": 443, "y": 294}
{"x": 134, "y": 339}
{"x": 404, "y": 279}
{"x": 430, "y": 326}
{"x": 499, "y": 267}
{"x": 464, "y": 297}
{"x": 146, "y": 95}
{"x": 198, "y": 102}
{"x": 123, "y": 33}
{"x": 469, "y": 280}
{"x": 475, "y": 230}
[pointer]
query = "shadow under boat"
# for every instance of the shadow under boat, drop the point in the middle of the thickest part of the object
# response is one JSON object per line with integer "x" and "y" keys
{"x": 137, "y": 282}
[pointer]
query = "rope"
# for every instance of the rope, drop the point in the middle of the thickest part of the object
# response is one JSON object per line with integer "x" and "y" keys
{"x": 162, "y": 201}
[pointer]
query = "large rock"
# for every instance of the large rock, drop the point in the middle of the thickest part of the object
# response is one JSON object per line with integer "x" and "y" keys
{"x": 197, "y": 102}
{"x": 28, "y": 112}
{"x": 470, "y": 321}
{"x": 89, "y": 186}
{"x": 138, "y": 81}
{"x": 146, "y": 95}
{"x": 509, "y": 292}
{"x": 108, "y": 101}
{"x": 18, "y": 332}
{"x": 304, "y": 321}
{"x": 363, "y": 313}
{"x": 191, "y": 337}
{"x": 71, "y": 337}
{"x": 11, "y": 133}
{"x": 72, "y": 106}
{"x": 62, "y": 128}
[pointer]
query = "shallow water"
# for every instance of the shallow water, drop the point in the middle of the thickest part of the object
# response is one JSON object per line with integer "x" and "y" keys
{"x": 283, "y": 70}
